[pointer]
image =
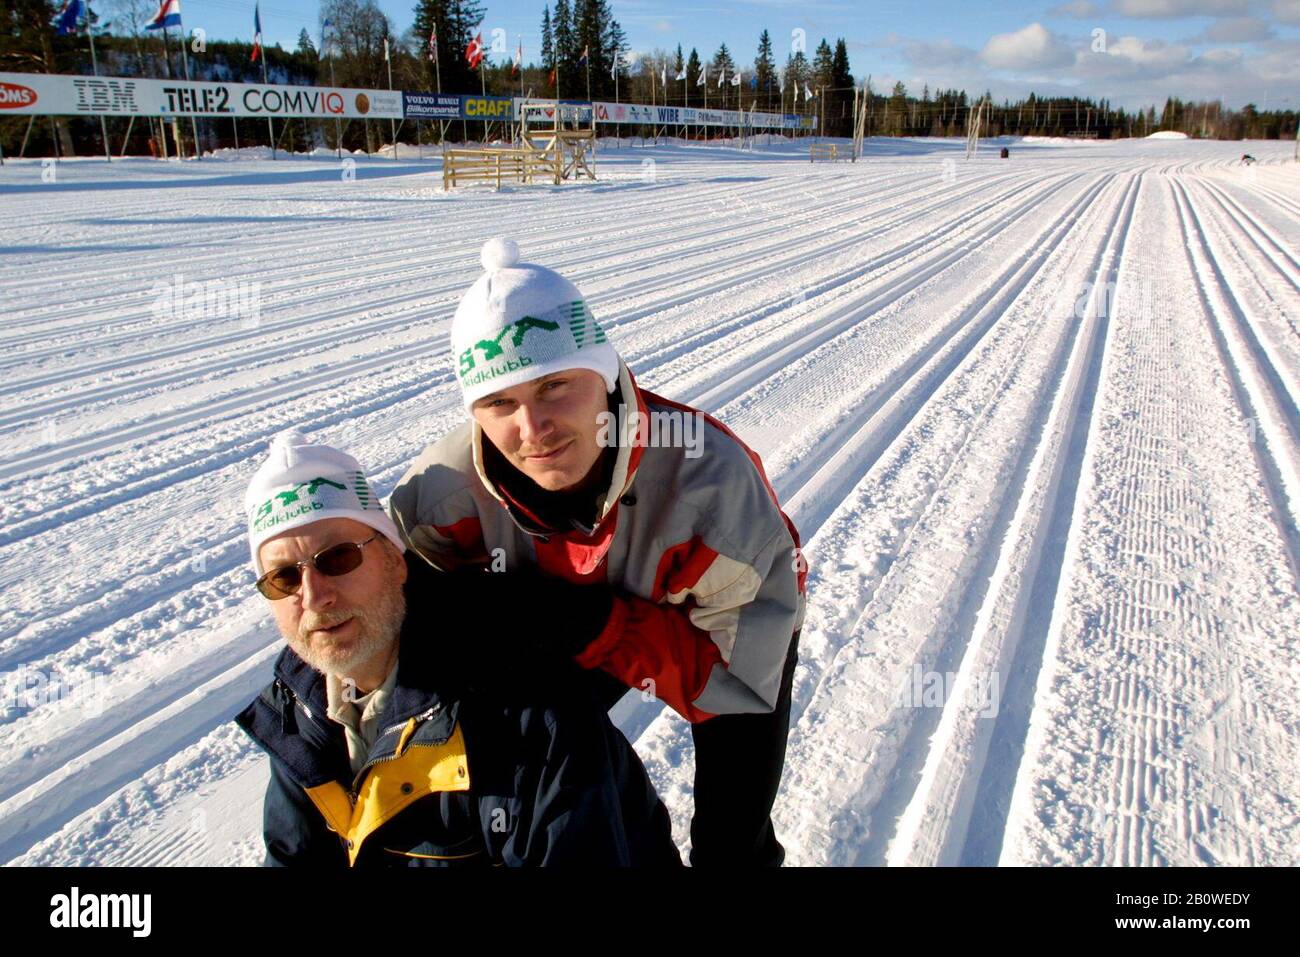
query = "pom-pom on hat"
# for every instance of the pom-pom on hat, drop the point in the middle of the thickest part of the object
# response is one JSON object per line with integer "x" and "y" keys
{"x": 519, "y": 322}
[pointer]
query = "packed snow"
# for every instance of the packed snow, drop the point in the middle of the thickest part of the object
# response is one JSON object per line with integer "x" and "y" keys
{"x": 1035, "y": 418}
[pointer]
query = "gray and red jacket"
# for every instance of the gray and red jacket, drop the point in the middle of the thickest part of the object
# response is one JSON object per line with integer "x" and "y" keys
{"x": 707, "y": 574}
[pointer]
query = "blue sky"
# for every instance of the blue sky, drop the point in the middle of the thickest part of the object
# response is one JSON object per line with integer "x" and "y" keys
{"x": 1238, "y": 50}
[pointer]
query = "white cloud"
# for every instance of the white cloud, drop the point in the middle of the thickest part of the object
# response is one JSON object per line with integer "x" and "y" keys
{"x": 1287, "y": 11}
{"x": 1030, "y": 48}
{"x": 1237, "y": 30}
{"x": 1173, "y": 9}
{"x": 931, "y": 54}
{"x": 1133, "y": 57}
{"x": 1081, "y": 9}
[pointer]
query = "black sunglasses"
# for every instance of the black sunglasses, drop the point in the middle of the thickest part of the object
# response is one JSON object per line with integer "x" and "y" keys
{"x": 334, "y": 561}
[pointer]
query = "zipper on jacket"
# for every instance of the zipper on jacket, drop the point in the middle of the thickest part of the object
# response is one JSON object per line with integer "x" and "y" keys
{"x": 356, "y": 780}
{"x": 287, "y": 700}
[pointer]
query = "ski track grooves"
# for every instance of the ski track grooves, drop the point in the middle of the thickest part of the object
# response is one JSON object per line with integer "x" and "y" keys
{"x": 993, "y": 528}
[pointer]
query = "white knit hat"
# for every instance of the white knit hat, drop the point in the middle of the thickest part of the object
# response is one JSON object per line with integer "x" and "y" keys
{"x": 520, "y": 322}
{"x": 300, "y": 483}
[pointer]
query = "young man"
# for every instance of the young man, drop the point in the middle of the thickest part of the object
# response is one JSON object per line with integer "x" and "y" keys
{"x": 681, "y": 545}
{"x": 388, "y": 746}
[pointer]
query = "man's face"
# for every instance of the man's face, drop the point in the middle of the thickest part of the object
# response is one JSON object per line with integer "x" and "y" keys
{"x": 337, "y": 624}
{"x": 548, "y": 428}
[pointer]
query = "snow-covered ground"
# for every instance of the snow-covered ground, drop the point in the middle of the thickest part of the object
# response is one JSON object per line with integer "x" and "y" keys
{"x": 1035, "y": 418}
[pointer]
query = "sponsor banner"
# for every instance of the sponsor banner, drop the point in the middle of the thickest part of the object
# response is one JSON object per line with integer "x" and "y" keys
{"x": 432, "y": 106}
{"x": 61, "y": 95}
{"x": 571, "y": 110}
{"x": 487, "y": 107}
{"x": 692, "y": 116}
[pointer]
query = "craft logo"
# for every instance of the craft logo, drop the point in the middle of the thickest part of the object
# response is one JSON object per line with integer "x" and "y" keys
{"x": 13, "y": 96}
{"x": 491, "y": 107}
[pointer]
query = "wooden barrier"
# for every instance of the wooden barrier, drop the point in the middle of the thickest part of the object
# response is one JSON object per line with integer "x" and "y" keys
{"x": 822, "y": 151}
{"x": 550, "y": 147}
{"x": 499, "y": 164}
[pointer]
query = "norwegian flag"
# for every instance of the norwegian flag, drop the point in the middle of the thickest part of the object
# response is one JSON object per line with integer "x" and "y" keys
{"x": 474, "y": 52}
{"x": 168, "y": 15}
{"x": 257, "y": 34}
{"x": 433, "y": 44}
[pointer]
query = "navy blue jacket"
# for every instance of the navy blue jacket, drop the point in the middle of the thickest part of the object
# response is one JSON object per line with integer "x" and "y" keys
{"x": 469, "y": 768}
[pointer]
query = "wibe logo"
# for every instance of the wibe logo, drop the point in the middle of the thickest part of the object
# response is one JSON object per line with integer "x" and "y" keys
{"x": 103, "y": 910}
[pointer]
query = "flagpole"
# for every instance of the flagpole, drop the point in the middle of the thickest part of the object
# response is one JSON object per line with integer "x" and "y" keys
{"x": 338, "y": 129}
{"x": 176, "y": 136}
{"x": 654, "y": 104}
{"x": 482, "y": 81}
{"x": 270, "y": 129}
{"x": 194, "y": 124}
{"x": 437, "y": 75}
{"x": 260, "y": 50}
{"x": 392, "y": 123}
{"x": 94, "y": 65}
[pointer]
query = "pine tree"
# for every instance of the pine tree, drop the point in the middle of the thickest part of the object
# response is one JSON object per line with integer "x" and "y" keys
{"x": 615, "y": 42}
{"x": 305, "y": 46}
{"x": 692, "y": 77}
{"x": 548, "y": 40}
{"x": 724, "y": 66}
{"x": 562, "y": 27}
{"x": 765, "y": 68}
{"x": 842, "y": 83}
{"x": 897, "y": 107}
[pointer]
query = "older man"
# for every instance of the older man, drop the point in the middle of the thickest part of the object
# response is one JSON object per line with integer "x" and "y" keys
{"x": 389, "y": 744}
{"x": 659, "y": 513}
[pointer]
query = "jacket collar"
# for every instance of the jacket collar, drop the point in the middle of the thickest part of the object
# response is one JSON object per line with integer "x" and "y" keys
{"x": 625, "y": 463}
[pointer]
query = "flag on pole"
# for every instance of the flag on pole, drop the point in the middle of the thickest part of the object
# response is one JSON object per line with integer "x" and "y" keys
{"x": 552, "y": 76}
{"x": 168, "y": 15}
{"x": 722, "y": 77}
{"x": 663, "y": 74}
{"x": 474, "y": 52}
{"x": 385, "y": 49}
{"x": 807, "y": 93}
{"x": 796, "y": 91}
{"x": 704, "y": 76}
{"x": 753, "y": 82}
{"x": 735, "y": 80}
{"x": 324, "y": 35}
{"x": 583, "y": 59}
{"x": 69, "y": 17}
{"x": 519, "y": 59}
{"x": 433, "y": 44}
{"x": 613, "y": 67}
{"x": 681, "y": 74}
{"x": 257, "y": 34}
